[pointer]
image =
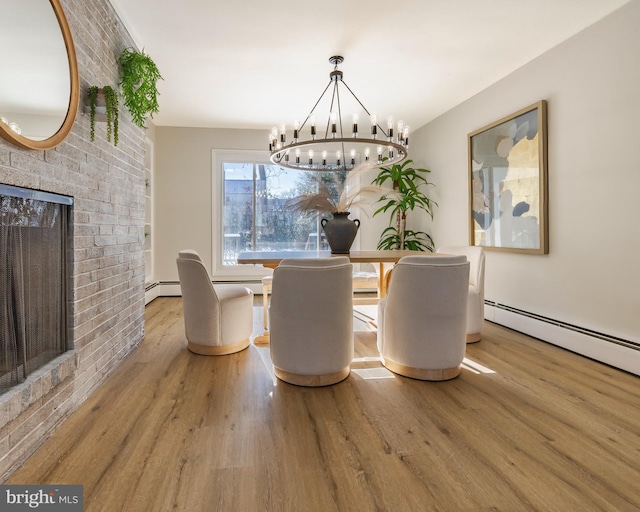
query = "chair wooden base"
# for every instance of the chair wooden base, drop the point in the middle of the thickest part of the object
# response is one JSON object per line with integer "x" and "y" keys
{"x": 312, "y": 380}
{"x": 218, "y": 350}
{"x": 422, "y": 373}
{"x": 473, "y": 337}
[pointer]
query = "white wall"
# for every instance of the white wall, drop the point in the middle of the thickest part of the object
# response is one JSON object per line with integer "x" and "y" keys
{"x": 591, "y": 276}
{"x": 183, "y": 204}
{"x": 183, "y": 193}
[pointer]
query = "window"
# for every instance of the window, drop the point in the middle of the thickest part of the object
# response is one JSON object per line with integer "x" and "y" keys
{"x": 252, "y": 215}
{"x": 255, "y": 216}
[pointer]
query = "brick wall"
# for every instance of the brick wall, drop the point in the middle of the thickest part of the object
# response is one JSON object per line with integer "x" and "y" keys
{"x": 107, "y": 184}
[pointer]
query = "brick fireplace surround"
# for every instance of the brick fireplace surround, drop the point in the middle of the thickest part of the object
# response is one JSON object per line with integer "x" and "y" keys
{"x": 107, "y": 184}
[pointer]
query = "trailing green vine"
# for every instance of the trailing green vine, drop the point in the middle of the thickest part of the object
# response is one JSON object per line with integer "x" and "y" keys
{"x": 111, "y": 101}
{"x": 138, "y": 79}
{"x": 92, "y": 95}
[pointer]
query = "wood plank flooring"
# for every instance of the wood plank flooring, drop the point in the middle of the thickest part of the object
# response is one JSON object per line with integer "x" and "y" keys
{"x": 527, "y": 426}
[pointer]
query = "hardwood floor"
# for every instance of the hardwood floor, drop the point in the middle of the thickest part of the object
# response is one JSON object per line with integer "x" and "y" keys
{"x": 526, "y": 426}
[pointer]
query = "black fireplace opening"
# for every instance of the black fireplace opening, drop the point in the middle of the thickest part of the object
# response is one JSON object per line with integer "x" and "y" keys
{"x": 34, "y": 282}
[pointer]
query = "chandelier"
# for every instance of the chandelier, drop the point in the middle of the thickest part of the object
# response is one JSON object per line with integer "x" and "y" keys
{"x": 339, "y": 149}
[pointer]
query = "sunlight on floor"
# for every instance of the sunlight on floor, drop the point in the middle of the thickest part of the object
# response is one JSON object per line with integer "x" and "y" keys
{"x": 265, "y": 355}
{"x": 373, "y": 373}
{"x": 370, "y": 368}
{"x": 477, "y": 368}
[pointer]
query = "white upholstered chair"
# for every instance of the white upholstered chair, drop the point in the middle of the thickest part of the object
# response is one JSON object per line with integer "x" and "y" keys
{"x": 422, "y": 320}
{"x": 311, "y": 320}
{"x": 475, "y": 303}
{"x": 361, "y": 280}
{"x": 218, "y": 320}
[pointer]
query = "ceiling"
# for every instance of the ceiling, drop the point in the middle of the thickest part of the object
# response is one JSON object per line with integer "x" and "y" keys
{"x": 257, "y": 63}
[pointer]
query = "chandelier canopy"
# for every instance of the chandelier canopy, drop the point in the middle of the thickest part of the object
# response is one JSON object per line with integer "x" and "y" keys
{"x": 339, "y": 149}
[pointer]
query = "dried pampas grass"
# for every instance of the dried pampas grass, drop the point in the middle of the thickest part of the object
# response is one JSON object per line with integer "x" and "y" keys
{"x": 351, "y": 194}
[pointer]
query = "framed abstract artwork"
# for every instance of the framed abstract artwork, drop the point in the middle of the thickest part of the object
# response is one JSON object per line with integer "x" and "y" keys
{"x": 508, "y": 183}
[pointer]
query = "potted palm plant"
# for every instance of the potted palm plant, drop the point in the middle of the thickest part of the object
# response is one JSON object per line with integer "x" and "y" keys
{"x": 138, "y": 82}
{"x": 408, "y": 185}
{"x": 103, "y": 104}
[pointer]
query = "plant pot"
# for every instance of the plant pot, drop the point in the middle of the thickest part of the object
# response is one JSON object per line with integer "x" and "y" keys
{"x": 340, "y": 232}
{"x": 101, "y": 107}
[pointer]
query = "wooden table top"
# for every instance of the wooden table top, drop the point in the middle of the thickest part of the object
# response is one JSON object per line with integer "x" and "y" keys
{"x": 275, "y": 257}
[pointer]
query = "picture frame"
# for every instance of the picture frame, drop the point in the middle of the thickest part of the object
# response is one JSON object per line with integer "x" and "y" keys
{"x": 508, "y": 183}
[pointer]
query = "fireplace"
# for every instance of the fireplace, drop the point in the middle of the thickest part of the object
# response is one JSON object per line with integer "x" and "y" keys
{"x": 34, "y": 257}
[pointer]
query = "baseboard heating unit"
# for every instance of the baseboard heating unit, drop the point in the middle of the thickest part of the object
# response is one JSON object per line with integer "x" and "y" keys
{"x": 612, "y": 350}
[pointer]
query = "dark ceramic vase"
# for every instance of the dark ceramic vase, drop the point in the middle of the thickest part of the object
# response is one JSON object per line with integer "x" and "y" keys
{"x": 340, "y": 232}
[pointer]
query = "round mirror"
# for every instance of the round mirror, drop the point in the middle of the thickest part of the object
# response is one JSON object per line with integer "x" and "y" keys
{"x": 39, "y": 85}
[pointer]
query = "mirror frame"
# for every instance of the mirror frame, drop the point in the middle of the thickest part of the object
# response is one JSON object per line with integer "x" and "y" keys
{"x": 74, "y": 94}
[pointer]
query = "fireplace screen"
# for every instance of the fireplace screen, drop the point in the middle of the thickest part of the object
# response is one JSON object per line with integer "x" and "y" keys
{"x": 33, "y": 281}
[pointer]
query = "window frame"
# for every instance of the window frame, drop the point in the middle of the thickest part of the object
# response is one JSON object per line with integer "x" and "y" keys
{"x": 218, "y": 158}
{"x": 223, "y": 272}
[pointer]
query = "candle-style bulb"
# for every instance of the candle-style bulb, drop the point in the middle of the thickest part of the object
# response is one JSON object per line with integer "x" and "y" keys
{"x": 400, "y": 131}
{"x": 374, "y": 126}
{"x": 367, "y": 152}
{"x": 355, "y": 125}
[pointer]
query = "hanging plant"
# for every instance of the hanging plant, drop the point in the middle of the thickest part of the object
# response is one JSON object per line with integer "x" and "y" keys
{"x": 92, "y": 97}
{"x": 138, "y": 78}
{"x": 111, "y": 102}
{"x": 106, "y": 98}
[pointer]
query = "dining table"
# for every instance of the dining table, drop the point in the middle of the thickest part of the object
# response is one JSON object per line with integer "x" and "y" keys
{"x": 382, "y": 261}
